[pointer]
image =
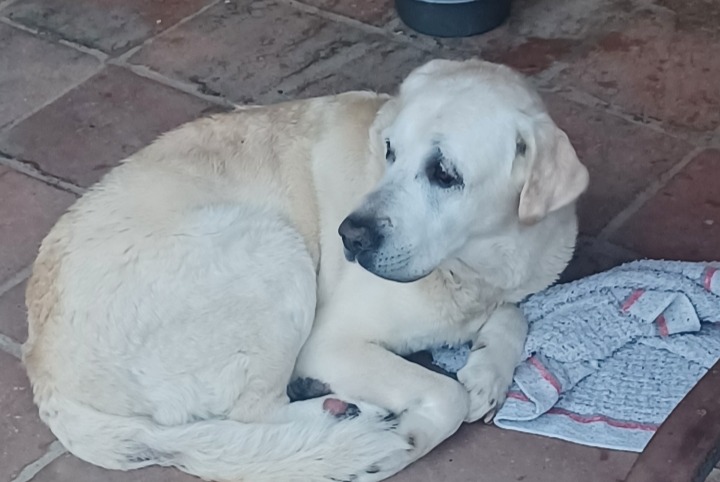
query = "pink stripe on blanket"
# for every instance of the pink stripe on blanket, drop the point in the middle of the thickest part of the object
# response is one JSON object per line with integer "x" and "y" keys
{"x": 585, "y": 419}
{"x": 662, "y": 325}
{"x": 632, "y": 299}
{"x": 518, "y": 396}
{"x": 603, "y": 419}
{"x": 708, "y": 278}
{"x": 545, "y": 373}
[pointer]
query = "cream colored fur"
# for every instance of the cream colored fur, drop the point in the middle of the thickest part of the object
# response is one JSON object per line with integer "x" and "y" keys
{"x": 173, "y": 303}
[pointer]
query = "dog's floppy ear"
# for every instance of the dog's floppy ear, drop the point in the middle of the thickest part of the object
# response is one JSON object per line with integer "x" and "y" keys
{"x": 554, "y": 176}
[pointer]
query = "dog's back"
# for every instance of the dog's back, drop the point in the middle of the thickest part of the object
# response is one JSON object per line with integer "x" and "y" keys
{"x": 179, "y": 291}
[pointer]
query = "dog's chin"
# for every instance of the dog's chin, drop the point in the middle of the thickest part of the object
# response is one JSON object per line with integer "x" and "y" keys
{"x": 366, "y": 260}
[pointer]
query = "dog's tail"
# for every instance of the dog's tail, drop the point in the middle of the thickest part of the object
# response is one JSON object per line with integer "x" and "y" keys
{"x": 317, "y": 448}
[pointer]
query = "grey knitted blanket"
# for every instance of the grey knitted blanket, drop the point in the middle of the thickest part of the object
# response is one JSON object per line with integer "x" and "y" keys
{"x": 608, "y": 357}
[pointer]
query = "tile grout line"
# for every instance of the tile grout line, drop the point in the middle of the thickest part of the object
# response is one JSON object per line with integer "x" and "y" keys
{"x": 62, "y": 93}
{"x": 292, "y": 82}
{"x": 10, "y": 346}
{"x": 122, "y": 58}
{"x": 28, "y": 170}
{"x": 10, "y": 125}
{"x": 98, "y": 54}
{"x": 585, "y": 99}
{"x": 715, "y": 139}
{"x": 6, "y": 3}
{"x": 542, "y": 79}
{"x": 616, "y": 250}
{"x": 646, "y": 194}
{"x": 182, "y": 86}
{"x": 608, "y": 247}
{"x": 54, "y": 451}
{"x": 7, "y": 344}
{"x": 367, "y": 28}
{"x": 15, "y": 279}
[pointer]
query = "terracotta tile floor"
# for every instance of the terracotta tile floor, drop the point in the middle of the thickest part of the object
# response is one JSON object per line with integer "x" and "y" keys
{"x": 85, "y": 83}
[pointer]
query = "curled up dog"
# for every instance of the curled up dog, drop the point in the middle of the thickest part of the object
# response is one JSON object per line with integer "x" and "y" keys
{"x": 317, "y": 241}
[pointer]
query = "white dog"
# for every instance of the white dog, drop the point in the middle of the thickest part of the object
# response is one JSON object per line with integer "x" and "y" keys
{"x": 169, "y": 306}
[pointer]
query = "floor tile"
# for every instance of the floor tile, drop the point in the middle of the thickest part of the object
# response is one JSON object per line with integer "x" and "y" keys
{"x": 593, "y": 257}
{"x": 28, "y": 210}
{"x": 655, "y": 69}
{"x": 373, "y": 12}
{"x": 695, "y": 15}
{"x": 623, "y": 158}
{"x": 70, "y": 469}
{"x": 86, "y": 132}
{"x": 479, "y": 453}
{"x": 13, "y": 316}
{"x": 112, "y": 26}
{"x": 34, "y": 71}
{"x": 23, "y": 437}
{"x": 539, "y": 33}
{"x": 381, "y": 69}
{"x": 682, "y": 221}
{"x": 475, "y": 454}
{"x": 242, "y": 51}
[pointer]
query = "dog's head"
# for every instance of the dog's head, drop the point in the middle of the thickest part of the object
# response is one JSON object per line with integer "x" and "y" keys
{"x": 471, "y": 155}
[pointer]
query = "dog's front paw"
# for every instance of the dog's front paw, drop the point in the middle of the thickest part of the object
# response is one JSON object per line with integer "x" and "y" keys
{"x": 487, "y": 381}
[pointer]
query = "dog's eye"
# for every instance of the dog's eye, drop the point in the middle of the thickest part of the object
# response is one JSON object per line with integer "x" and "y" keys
{"x": 442, "y": 176}
{"x": 389, "y": 152}
{"x": 520, "y": 146}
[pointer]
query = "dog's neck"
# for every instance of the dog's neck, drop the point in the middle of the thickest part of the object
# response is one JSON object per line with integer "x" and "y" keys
{"x": 507, "y": 268}
{"x": 471, "y": 294}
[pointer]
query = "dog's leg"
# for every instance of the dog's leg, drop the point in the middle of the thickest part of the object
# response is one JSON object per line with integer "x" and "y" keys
{"x": 430, "y": 406}
{"x": 497, "y": 350}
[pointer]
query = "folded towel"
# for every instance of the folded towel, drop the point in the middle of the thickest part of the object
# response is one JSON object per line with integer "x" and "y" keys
{"x": 608, "y": 357}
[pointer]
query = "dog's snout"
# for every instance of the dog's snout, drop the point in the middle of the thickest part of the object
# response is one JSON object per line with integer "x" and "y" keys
{"x": 359, "y": 234}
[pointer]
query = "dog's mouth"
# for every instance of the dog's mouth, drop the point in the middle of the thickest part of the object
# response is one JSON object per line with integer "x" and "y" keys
{"x": 363, "y": 258}
{"x": 349, "y": 255}
{"x": 366, "y": 261}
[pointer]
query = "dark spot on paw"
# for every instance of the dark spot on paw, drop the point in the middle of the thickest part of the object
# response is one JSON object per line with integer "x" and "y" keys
{"x": 351, "y": 478}
{"x": 138, "y": 458}
{"x": 307, "y": 388}
{"x": 373, "y": 470}
{"x": 390, "y": 417}
{"x": 352, "y": 411}
{"x": 424, "y": 359}
{"x": 492, "y": 402}
{"x": 143, "y": 453}
{"x": 411, "y": 440}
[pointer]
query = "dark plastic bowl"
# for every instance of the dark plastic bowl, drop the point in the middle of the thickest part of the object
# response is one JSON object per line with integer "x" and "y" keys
{"x": 449, "y": 18}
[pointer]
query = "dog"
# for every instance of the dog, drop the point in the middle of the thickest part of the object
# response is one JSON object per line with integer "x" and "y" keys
{"x": 311, "y": 243}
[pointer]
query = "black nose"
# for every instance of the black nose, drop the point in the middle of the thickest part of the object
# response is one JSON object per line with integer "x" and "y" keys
{"x": 359, "y": 234}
